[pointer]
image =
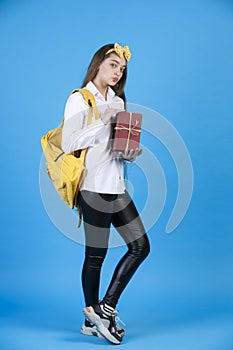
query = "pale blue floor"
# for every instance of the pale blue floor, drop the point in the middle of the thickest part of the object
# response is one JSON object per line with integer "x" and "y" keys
{"x": 207, "y": 335}
{"x": 53, "y": 325}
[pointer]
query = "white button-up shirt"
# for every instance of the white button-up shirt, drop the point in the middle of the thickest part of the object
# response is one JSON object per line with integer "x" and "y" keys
{"x": 105, "y": 171}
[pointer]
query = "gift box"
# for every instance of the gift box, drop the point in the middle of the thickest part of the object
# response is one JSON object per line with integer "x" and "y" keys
{"x": 127, "y": 131}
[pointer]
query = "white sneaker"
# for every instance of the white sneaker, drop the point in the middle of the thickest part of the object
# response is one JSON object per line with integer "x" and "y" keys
{"x": 89, "y": 328}
{"x": 103, "y": 317}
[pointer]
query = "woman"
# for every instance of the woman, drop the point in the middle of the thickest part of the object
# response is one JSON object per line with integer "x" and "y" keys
{"x": 103, "y": 197}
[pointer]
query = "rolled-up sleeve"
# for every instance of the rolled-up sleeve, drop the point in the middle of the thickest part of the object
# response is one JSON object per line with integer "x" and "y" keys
{"x": 75, "y": 133}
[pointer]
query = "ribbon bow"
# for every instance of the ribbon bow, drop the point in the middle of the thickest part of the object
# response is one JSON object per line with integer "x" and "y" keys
{"x": 120, "y": 51}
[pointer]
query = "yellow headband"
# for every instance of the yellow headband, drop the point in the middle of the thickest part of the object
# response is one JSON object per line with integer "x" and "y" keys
{"x": 120, "y": 51}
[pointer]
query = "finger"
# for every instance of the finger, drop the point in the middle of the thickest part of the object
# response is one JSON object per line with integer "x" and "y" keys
{"x": 127, "y": 153}
{"x": 118, "y": 111}
{"x": 138, "y": 151}
{"x": 132, "y": 152}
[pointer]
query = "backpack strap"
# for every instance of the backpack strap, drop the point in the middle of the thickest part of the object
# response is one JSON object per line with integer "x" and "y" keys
{"x": 90, "y": 100}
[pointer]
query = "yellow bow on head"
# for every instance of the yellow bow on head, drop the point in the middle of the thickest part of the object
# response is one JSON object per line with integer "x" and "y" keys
{"x": 120, "y": 51}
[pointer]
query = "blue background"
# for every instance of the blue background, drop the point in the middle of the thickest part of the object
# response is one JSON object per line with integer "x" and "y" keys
{"x": 181, "y": 297}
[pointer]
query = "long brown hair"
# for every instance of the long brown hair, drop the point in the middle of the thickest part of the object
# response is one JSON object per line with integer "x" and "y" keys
{"x": 92, "y": 70}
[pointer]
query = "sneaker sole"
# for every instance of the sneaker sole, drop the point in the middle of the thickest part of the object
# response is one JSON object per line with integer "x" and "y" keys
{"x": 96, "y": 320}
{"x": 90, "y": 331}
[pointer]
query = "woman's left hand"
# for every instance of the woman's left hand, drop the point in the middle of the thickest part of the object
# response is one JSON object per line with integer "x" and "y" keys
{"x": 131, "y": 155}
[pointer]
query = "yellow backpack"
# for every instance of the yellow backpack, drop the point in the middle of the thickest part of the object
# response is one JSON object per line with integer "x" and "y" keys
{"x": 67, "y": 171}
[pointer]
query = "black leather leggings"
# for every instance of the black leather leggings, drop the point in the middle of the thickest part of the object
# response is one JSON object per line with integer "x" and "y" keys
{"x": 99, "y": 212}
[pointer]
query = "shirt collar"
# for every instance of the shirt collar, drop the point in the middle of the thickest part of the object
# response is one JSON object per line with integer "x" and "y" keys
{"x": 93, "y": 89}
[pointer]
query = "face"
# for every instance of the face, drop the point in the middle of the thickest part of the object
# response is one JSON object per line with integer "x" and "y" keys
{"x": 111, "y": 70}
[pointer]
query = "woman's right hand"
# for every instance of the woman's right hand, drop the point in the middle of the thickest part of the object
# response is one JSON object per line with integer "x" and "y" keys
{"x": 107, "y": 115}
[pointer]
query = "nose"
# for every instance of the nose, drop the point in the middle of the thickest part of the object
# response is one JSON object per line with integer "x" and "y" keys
{"x": 118, "y": 72}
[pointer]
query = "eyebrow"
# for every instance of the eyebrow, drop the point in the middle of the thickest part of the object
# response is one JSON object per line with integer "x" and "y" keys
{"x": 112, "y": 59}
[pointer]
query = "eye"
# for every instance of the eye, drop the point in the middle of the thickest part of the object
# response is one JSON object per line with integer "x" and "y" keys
{"x": 122, "y": 69}
{"x": 113, "y": 65}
